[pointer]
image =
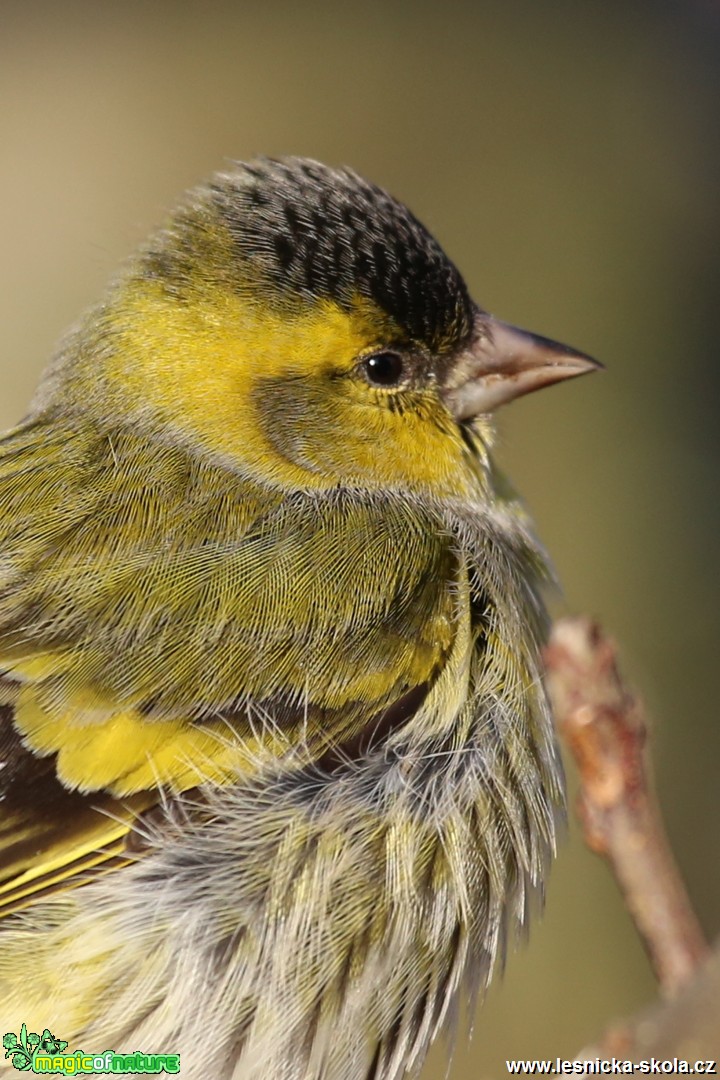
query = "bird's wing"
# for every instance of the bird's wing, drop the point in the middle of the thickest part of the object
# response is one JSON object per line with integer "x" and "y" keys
{"x": 164, "y": 623}
{"x": 50, "y": 837}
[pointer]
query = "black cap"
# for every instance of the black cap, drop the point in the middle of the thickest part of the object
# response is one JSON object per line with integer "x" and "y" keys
{"x": 322, "y": 232}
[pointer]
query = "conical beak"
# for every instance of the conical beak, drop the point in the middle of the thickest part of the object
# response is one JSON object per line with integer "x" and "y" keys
{"x": 503, "y": 363}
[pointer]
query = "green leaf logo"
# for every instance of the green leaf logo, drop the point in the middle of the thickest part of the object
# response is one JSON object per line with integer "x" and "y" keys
{"x": 21, "y": 1049}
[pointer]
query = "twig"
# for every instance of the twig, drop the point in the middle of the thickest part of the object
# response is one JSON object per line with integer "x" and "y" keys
{"x": 685, "y": 1026}
{"x": 604, "y": 727}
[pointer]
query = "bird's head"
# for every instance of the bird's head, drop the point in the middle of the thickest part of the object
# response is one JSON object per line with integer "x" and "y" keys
{"x": 301, "y": 325}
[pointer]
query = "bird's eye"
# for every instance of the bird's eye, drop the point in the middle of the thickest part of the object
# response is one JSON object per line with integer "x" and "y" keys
{"x": 384, "y": 369}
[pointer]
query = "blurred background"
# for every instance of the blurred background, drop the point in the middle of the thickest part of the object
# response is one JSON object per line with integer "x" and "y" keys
{"x": 568, "y": 157}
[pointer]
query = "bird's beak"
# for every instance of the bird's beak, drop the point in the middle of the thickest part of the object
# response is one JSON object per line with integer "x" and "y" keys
{"x": 503, "y": 363}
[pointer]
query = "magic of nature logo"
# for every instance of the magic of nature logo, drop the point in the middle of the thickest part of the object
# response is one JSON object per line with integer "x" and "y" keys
{"x": 30, "y": 1052}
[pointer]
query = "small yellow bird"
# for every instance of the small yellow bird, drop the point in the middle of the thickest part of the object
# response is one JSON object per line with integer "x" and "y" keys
{"x": 270, "y": 621}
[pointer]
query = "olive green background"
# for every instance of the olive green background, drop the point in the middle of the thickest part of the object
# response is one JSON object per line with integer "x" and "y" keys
{"x": 567, "y": 155}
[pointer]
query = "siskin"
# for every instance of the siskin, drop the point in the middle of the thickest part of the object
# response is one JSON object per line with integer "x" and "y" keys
{"x": 270, "y": 622}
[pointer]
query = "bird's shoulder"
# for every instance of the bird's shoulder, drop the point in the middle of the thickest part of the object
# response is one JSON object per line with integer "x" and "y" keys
{"x": 165, "y": 622}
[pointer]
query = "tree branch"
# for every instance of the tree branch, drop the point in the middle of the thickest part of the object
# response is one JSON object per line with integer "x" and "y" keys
{"x": 605, "y": 729}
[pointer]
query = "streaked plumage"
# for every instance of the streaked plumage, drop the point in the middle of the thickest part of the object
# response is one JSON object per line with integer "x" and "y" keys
{"x": 269, "y": 647}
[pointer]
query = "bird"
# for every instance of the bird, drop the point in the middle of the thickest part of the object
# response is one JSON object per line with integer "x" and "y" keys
{"x": 278, "y": 774}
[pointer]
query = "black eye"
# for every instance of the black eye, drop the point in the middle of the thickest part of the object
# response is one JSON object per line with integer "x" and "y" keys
{"x": 384, "y": 369}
